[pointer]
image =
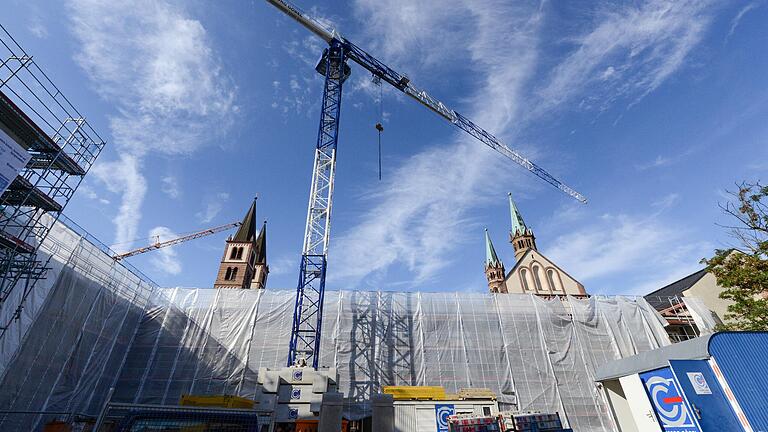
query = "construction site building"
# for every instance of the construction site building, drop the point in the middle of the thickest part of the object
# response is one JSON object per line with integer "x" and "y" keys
{"x": 96, "y": 324}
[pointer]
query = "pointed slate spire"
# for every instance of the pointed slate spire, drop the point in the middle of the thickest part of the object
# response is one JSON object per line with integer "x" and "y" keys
{"x": 260, "y": 246}
{"x": 491, "y": 259}
{"x": 518, "y": 225}
{"x": 247, "y": 231}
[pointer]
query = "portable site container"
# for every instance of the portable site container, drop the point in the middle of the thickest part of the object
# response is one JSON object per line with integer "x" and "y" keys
{"x": 432, "y": 415}
{"x": 712, "y": 383}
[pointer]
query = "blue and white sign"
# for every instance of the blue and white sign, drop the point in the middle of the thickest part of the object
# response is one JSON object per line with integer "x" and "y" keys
{"x": 13, "y": 158}
{"x": 298, "y": 375}
{"x": 668, "y": 402}
{"x": 699, "y": 383}
{"x": 442, "y": 412}
{"x": 296, "y": 394}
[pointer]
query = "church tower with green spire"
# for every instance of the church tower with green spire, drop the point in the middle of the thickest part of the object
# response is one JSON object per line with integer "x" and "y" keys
{"x": 244, "y": 264}
{"x": 534, "y": 273}
{"x": 520, "y": 235}
{"x": 494, "y": 268}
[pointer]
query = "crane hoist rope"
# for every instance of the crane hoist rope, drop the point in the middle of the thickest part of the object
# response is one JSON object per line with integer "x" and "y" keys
{"x": 379, "y": 127}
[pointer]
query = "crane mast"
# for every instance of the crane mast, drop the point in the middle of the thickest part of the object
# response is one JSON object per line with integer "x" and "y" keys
{"x": 308, "y": 310}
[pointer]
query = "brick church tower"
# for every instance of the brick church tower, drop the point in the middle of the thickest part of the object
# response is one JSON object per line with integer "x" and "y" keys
{"x": 494, "y": 268}
{"x": 244, "y": 264}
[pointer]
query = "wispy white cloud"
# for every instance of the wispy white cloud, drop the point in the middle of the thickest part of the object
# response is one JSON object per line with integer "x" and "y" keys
{"x": 628, "y": 53}
{"x": 630, "y": 245}
{"x": 123, "y": 176}
{"x": 91, "y": 194}
{"x": 428, "y": 197}
{"x": 737, "y": 19}
{"x": 660, "y": 161}
{"x": 666, "y": 201}
{"x": 213, "y": 207}
{"x": 165, "y": 259}
{"x": 156, "y": 65}
{"x": 283, "y": 265}
{"x": 171, "y": 187}
{"x": 38, "y": 29}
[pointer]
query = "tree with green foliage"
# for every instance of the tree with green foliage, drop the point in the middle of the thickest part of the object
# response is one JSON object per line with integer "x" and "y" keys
{"x": 743, "y": 271}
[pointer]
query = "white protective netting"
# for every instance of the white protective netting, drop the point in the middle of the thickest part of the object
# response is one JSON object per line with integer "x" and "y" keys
{"x": 540, "y": 354}
{"x": 67, "y": 348}
{"x": 95, "y": 324}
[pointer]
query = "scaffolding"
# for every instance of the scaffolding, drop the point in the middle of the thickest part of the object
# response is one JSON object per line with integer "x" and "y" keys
{"x": 680, "y": 317}
{"x": 62, "y": 146}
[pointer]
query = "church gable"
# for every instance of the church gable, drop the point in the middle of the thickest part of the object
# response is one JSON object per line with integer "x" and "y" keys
{"x": 536, "y": 274}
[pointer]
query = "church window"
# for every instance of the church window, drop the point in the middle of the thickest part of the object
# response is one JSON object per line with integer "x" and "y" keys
{"x": 537, "y": 277}
{"x": 524, "y": 279}
{"x": 239, "y": 253}
{"x": 228, "y": 274}
{"x": 554, "y": 280}
{"x": 233, "y": 253}
{"x": 234, "y": 273}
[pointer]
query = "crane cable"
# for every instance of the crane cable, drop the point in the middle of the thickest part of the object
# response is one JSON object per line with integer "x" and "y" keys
{"x": 379, "y": 127}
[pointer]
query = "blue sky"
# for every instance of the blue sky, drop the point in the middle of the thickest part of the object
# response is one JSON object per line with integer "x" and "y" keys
{"x": 651, "y": 109}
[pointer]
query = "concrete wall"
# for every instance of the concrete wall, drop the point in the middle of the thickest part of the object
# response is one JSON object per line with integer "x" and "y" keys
{"x": 622, "y": 413}
{"x": 709, "y": 291}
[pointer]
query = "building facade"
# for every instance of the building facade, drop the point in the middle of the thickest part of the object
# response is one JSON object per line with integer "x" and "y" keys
{"x": 244, "y": 264}
{"x": 533, "y": 272}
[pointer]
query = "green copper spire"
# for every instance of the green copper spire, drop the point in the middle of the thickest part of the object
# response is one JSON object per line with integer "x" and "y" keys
{"x": 491, "y": 259}
{"x": 518, "y": 225}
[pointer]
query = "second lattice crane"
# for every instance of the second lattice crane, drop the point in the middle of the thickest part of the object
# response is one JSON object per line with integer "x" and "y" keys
{"x": 175, "y": 241}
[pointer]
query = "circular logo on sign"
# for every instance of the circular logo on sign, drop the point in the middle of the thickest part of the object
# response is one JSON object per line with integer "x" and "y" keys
{"x": 296, "y": 394}
{"x": 442, "y": 416}
{"x": 700, "y": 380}
{"x": 297, "y": 375}
{"x": 668, "y": 402}
{"x": 293, "y": 413}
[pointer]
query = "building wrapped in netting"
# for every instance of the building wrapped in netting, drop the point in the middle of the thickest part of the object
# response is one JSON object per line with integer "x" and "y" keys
{"x": 96, "y": 324}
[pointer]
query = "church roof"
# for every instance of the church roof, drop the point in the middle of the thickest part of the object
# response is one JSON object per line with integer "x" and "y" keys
{"x": 518, "y": 225}
{"x": 491, "y": 259}
{"x": 247, "y": 231}
{"x": 260, "y": 246}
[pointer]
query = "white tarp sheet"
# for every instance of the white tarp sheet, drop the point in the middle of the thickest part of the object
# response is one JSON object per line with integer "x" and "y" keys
{"x": 536, "y": 353}
{"x": 67, "y": 348}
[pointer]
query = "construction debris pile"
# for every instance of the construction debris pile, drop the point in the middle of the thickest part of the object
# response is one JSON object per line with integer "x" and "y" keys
{"x": 96, "y": 325}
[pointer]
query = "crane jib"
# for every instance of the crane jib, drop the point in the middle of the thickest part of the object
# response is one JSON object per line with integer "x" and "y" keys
{"x": 402, "y": 83}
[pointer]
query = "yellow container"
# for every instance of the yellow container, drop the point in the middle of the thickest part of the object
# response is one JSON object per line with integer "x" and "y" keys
{"x": 416, "y": 392}
{"x": 219, "y": 401}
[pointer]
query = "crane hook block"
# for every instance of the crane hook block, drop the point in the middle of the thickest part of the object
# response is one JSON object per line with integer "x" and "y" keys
{"x": 379, "y": 127}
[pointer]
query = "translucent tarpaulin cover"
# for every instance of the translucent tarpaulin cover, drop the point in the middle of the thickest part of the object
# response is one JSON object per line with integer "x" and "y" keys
{"x": 536, "y": 353}
{"x": 67, "y": 348}
{"x": 94, "y": 324}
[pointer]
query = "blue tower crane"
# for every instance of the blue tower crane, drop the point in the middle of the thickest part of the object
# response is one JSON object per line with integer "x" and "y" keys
{"x": 308, "y": 311}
